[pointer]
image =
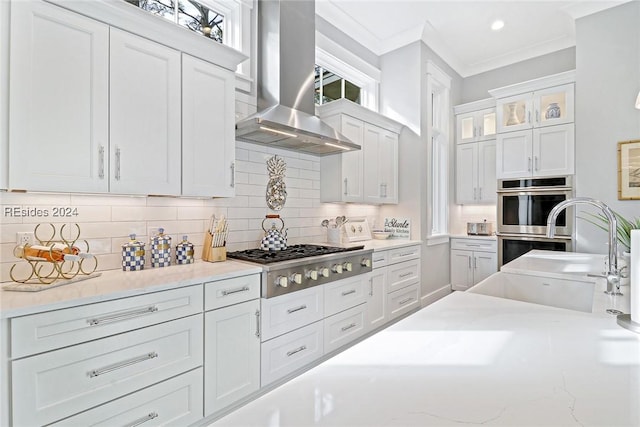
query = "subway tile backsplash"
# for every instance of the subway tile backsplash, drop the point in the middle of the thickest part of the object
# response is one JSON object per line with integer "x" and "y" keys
{"x": 105, "y": 221}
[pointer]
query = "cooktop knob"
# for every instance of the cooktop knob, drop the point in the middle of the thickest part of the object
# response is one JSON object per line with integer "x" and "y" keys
{"x": 337, "y": 268}
{"x": 282, "y": 281}
{"x": 312, "y": 274}
{"x": 366, "y": 262}
{"x": 347, "y": 266}
{"x": 296, "y": 278}
{"x": 324, "y": 272}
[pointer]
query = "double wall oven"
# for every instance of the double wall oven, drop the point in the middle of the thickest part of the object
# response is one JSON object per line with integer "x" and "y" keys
{"x": 523, "y": 208}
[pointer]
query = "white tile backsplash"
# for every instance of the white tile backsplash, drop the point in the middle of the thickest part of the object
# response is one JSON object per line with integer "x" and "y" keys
{"x": 105, "y": 221}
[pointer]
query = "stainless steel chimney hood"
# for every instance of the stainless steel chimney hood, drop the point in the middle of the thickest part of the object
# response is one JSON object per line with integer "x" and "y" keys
{"x": 286, "y": 60}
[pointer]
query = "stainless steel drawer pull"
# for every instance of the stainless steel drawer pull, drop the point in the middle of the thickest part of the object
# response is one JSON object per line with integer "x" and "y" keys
{"x": 118, "y": 155}
{"x": 233, "y": 175}
{"x": 122, "y": 316}
{"x": 101, "y": 161}
{"x": 235, "y": 291}
{"x": 350, "y": 326}
{"x": 473, "y": 244}
{"x": 378, "y": 260}
{"x": 405, "y": 274}
{"x": 297, "y": 350}
{"x": 404, "y": 301}
{"x": 143, "y": 420}
{"x": 407, "y": 254}
{"x": 120, "y": 365}
{"x": 345, "y": 293}
{"x": 293, "y": 310}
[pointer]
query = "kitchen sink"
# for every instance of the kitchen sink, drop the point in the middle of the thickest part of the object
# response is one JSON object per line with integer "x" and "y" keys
{"x": 570, "y": 294}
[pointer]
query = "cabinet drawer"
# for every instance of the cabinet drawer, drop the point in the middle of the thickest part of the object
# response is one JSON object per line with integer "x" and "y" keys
{"x": 474, "y": 245}
{"x": 70, "y": 380}
{"x": 288, "y": 312}
{"x": 403, "y": 301}
{"x": 403, "y": 254}
{"x": 380, "y": 259}
{"x": 177, "y": 401}
{"x": 222, "y": 293}
{"x": 344, "y": 327}
{"x": 403, "y": 274}
{"x": 55, "y": 329}
{"x": 346, "y": 293}
{"x": 287, "y": 353}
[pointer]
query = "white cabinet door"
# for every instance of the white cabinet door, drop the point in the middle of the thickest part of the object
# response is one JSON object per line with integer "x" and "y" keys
{"x": 553, "y": 150}
{"x": 467, "y": 173}
{"x": 144, "y": 116}
{"x": 461, "y": 269}
{"x": 514, "y": 158}
{"x": 388, "y": 167}
{"x": 515, "y": 113}
{"x": 231, "y": 354}
{"x": 377, "y": 301}
{"x": 476, "y": 126}
{"x": 487, "y": 181}
{"x": 484, "y": 265}
{"x": 380, "y": 165}
{"x": 208, "y": 129}
{"x": 352, "y": 162}
{"x": 554, "y": 106}
{"x": 59, "y": 97}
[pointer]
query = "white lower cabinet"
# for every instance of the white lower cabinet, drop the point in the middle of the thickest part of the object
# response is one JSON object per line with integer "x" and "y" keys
{"x": 403, "y": 301}
{"x": 377, "y": 299}
{"x": 287, "y": 312}
{"x": 472, "y": 260}
{"x": 290, "y": 352}
{"x": 73, "y": 379}
{"x": 176, "y": 401}
{"x": 344, "y": 327}
{"x": 231, "y": 354}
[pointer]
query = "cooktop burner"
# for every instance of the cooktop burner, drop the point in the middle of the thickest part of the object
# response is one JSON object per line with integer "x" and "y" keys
{"x": 292, "y": 252}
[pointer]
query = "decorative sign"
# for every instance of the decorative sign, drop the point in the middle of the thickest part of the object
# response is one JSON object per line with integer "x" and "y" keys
{"x": 400, "y": 227}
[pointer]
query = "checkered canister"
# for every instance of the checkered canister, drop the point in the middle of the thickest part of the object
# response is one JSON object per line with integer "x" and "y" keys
{"x": 184, "y": 252}
{"x": 133, "y": 255}
{"x": 160, "y": 250}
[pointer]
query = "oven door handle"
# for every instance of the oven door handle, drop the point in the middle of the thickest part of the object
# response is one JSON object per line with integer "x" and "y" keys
{"x": 534, "y": 191}
{"x": 533, "y": 236}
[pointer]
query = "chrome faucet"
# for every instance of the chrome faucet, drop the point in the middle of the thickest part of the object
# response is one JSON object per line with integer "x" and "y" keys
{"x": 613, "y": 274}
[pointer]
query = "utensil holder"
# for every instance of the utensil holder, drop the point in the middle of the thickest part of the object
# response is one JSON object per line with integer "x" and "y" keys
{"x": 211, "y": 253}
{"x": 333, "y": 236}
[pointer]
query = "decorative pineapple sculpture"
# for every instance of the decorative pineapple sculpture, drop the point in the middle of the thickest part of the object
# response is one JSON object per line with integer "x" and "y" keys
{"x": 276, "y": 188}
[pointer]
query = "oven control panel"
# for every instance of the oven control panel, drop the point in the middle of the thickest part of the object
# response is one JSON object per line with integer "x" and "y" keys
{"x": 280, "y": 281}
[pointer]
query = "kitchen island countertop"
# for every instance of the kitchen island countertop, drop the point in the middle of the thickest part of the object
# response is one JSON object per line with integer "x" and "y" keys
{"x": 469, "y": 359}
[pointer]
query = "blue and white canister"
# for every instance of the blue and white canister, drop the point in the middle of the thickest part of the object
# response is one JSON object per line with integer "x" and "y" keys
{"x": 160, "y": 249}
{"x": 184, "y": 252}
{"x": 133, "y": 255}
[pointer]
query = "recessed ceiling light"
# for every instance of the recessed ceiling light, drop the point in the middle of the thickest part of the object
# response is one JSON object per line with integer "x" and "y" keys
{"x": 497, "y": 25}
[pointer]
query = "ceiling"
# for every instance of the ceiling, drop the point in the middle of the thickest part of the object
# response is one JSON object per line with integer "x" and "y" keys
{"x": 459, "y": 31}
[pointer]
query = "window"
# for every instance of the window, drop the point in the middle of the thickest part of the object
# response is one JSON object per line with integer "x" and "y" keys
{"x": 329, "y": 86}
{"x": 198, "y": 16}
{"x": 438, "y": 85}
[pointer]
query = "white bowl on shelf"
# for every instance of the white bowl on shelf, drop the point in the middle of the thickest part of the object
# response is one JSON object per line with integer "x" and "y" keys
{"x": 381, "y": 235}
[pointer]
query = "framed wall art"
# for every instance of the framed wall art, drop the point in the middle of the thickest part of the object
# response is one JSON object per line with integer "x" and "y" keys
{"x": 629, "y": 170}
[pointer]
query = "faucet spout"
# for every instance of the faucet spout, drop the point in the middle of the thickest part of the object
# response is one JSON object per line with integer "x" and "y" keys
{"x": 612, "y": 275}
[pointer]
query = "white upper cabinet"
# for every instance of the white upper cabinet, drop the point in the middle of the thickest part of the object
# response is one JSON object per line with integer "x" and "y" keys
{"x": 476, "y": 125}
{"x": 536, "y": 134}
{"x": 208, "y": 129}
{"x": 144, "y": 116}
{"x": 369, "y": 175}
{"x": 59, "y": 94}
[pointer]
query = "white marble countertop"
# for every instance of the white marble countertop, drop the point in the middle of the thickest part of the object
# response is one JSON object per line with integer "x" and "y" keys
{"x": 470, "y": 359}
{"x": 117, "y": 284}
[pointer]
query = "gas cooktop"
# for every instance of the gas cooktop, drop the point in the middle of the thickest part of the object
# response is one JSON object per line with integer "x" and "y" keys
{"x": 292, "y": 252}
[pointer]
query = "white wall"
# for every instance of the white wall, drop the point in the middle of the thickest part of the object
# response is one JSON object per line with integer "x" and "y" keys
{"x": 607, "y": 83}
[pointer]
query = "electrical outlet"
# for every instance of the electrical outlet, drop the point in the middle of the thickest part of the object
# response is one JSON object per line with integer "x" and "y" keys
{"x": 25, "y": 238}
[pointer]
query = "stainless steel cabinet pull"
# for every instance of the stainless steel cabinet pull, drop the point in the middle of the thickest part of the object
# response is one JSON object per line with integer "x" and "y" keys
{"x": 345, "y": 187}
{"x": 480, "y": 193}
{"x": 473, "y": 244}
{"x": 537, "y": 116}
{"x": 293, "y": 310}
{"x": 234, "y": 291}
{"x": 122, "y": 316}
{"x": 406, "y": 254}
{"x": 118, "y": 154}
{"x": 529, "y": 164}
{"x": 346, "y": 328}
{"x": 469, "y": 262}
{"x": 345, "y": 293}
{"x": 475, "y": 263}
{"x": 297, "y": 350}
{"x": 143, "y": 420}
{"x": 370, "y": 287}
{"x": 405, "y": 274}
{"x": 258, "y": 323}
{"x": 535, "y": 159}
{"x": 233, "y": 175}
{"x": 480, "y": 131}
{"x": 475, "y": 130}
{"x": 529, "y": 117}
{"x": 404, "y": 301}
{"x": 101, "y": 161}
{"x": 120, "y": 365}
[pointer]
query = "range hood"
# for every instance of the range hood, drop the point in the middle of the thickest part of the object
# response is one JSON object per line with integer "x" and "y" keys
{"x": 286, "y": 61}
